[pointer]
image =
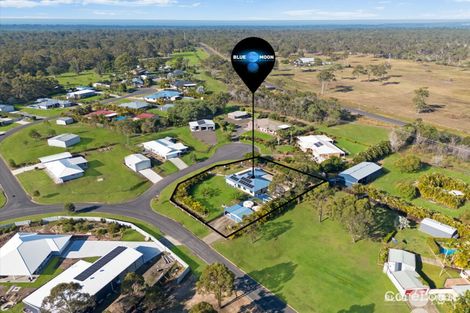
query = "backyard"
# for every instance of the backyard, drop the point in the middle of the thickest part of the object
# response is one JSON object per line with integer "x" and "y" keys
{"x": 214, "y": 193}
{"x": 106, "y": 180}
{"x": 303, "y": 261}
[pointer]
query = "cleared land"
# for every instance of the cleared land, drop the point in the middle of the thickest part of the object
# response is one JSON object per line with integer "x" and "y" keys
{"x": 85, "y": 78}
{"x": 448, "y": 86}
{"x": 313, "y": 266}
{"x": 106, "y": 180}
{"x": 21, "y": 148}
{"x": 393, "y": 175}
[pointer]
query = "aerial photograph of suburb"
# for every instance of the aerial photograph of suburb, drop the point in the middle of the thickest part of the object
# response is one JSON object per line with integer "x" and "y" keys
{"x": 235, "y": 156}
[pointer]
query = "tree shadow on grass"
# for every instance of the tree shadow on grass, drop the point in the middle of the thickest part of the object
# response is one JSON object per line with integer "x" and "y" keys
{"x": 384, "y": 222}
{"x": 51, "y": 195}
{"x": 424, "y": 276}
{"x": 272, "y": 230}
{"x": 276, "y": 276}
{"x": 138, "y": 185}
{"x": 357, "y": 308}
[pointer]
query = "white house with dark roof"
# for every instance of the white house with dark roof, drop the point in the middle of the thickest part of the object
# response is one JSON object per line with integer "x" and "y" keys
{"x": 25, "y": 254}
{"x": 201, "y": 125}
{"x": 321, "y": 147}
{"x": 63, "y": 140}
{"x": 401, "y": 269}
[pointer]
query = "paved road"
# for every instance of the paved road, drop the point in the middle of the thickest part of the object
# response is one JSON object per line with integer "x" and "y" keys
{"x": 19, "y": 205}
{"x": 138, "y": 93}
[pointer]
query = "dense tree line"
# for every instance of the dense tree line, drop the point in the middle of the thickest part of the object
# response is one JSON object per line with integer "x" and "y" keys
{"x": 374, "y": 153}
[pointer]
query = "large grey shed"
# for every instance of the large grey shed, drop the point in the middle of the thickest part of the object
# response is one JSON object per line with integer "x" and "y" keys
{"x": 437, "y": 229}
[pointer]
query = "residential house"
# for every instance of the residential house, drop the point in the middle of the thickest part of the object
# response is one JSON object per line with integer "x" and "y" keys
{"x": 256, "y": 186}
{"x": 165, "y": 94}
{"x": 304, "y": 62}
{"x": 238, "y": 115}
{"x": 106, "y": 113}
{"x": 144, "y": 116}
{"x": 4, "y": 121}
{"x": 166, "y": 148}
{"x": 80, "y": 94}
{"x": 26, "y": 254}
{"x": 63, "y": 170}
{"x": 135, "y": 105}
{"x": 270, "y": 126}
{"x": 47, "y": 103}
{"x": 401, "y": 269}
{"x": 321, "y": 147}
{"x": 202, "y": 125}
{"x": 182, "y": 84}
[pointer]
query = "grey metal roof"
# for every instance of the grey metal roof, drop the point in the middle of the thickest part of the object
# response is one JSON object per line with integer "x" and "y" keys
{"x": 362, "y": 170}
{"x": 64, "y": 137}
{"x": 408, "y": 279}
{"x": 437, "y": 229}
{"x": 402, "y": 256}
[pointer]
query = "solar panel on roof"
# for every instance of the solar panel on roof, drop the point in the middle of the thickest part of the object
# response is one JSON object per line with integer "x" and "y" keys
{"x": 318, "y": 144}
{"x": 100, "y": 263}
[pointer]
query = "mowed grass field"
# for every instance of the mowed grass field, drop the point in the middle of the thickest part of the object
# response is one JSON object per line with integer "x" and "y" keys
{"x": 213, "y": 193}
{"x": 106, "y": 180}
{"x": 448, "y": 87}
{"x": 314, "y": 266}
{"x": 393, "y": 175}
{"x": 85, "y": 78}
{"x": 21, "y": 148}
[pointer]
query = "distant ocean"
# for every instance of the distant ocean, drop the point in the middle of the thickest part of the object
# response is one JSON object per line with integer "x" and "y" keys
{"x": 259, "y": 23}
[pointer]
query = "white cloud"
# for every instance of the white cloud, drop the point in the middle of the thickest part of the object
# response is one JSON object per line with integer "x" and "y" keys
{"x": 37, "y": 3}
{"x": 319, "y": 14}
{"x": 190, "y": 5}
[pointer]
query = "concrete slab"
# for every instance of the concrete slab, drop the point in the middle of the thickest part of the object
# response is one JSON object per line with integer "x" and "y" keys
{"x": 151, "y": 175}
{"x": 179, "y": 163}
{"x": 27, "y": 169}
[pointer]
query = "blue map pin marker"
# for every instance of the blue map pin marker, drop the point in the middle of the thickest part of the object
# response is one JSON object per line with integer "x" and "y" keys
{"x": 253, "y": 59}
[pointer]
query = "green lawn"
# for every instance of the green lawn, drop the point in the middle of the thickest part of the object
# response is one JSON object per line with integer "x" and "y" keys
{"x": 389, "y": 180}
{"x": 196, "y": 264}
{"x": 412, "y": 239}
{"x": 132, "y": 235}
{"x": 356, "y": 137}
{"x": 166, "y": 168}
{"x": 8, "y": 127}
{"x": 44, "y": 113}
{"x": 213, "y": 193}
{"x": 194, "y": 59}
{"x": 21, "y": 148}
{"x": 435, "y": 277}
{"x": 117, "y": 184}
{"x": 69, "y": 80}
{"x": 259, "y": 135}
{"x": 313, "y": 266}
{"x": 3, "y": 199}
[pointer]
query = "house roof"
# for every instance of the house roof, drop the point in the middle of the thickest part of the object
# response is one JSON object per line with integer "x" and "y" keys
{"x": 64, "y": 137}
{"x": 408, "y": 279}
{"x": 137, "y": 105}
{"x": 143, "y": 116}
{"x": 55, "y": 157}
{"x": 62, "y": 168}
{"x": 65, "y": 119}
{"x": 51, "y": 102}
{"x": 164, "y": 146}
{"x": 402, "y": 256}
{"x": 319, "y": 144}
{"x": 136, "y": 158}
{"x": 436, "y": 228}
{"x": 461, "y": 289}
{"x": 306, "y": 60}
{"x": 238, "y": 114}
{"x": 78, "y": 160}
{"x": 164, "y": 94}
{"x": 103, "y": 112}
{"x": 202, "y": 123}
{"x": 361, "y": 170}
{"x": 238, "y": 211}
{"x": 270, "y": 124}
{"x": 25, "y": 252}
{"x": 259, "y": 182}
{"x": 102, "y": 272}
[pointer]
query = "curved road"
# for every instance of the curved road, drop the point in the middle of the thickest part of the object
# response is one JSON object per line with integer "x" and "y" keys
{"x": 20, "y": 205}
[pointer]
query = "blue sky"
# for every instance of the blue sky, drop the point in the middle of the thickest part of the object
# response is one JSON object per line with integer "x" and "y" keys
{"x": 236, "y": 9}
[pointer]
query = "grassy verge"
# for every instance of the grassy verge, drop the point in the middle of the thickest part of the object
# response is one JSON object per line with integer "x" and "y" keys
{"x": 44, "y": 113}
{"x": 132, "y": 235}
{"x": 3, "y": 199}
{"x": 295, "y": 252}
{"x": 196, "y": 264}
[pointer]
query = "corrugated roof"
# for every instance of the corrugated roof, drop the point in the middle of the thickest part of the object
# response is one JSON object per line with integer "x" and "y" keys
{"x": 408, "y": 279}
{"x": 436, "y": 228}
{"x": 402, "y": 256}
{"x": 362, "y": 170}
{"x": 55, "y": 157}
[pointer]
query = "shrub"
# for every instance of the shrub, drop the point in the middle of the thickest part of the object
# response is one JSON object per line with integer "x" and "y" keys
{"x": 407, "y": 190}
{"x": 374, "y": 153}
{"x": 36, "y": 193}
{"x": 69, "y": 207}
{"x": 408, "y": 164}
{"x": 437, "y": 187}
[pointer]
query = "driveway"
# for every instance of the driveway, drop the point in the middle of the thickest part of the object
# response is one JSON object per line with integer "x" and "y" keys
{"x": 151, "y": 175}
{"x": 179, "y": 163}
